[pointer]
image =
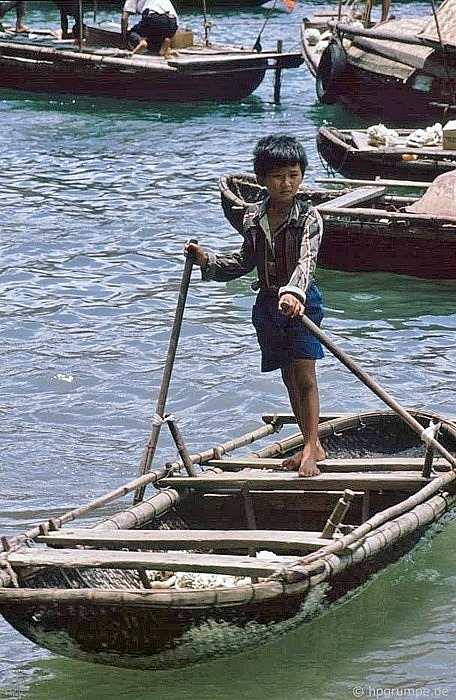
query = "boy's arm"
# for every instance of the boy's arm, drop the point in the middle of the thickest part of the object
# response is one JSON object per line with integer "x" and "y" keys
{"x": 222, "y": 268}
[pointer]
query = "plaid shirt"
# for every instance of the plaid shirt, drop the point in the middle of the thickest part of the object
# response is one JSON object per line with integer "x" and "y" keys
{"x": 285, "y": 262}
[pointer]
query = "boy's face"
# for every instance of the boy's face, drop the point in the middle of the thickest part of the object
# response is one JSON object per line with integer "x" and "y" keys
{"x": 283, "y": 183}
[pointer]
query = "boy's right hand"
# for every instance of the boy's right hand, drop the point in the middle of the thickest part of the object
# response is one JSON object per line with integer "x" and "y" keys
{"x": 197, "y": 251}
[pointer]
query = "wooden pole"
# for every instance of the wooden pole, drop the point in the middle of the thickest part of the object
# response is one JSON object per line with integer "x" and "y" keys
{"x": 81, "y": 26}
{"x": 346, "y": 360}
{"x": 278, "y": 75}
{"x": 149, "y": 452}
{"x": 376, "y": 181}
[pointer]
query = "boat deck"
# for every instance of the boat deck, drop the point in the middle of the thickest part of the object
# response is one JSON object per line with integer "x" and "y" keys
{"x": 199, "y": 56}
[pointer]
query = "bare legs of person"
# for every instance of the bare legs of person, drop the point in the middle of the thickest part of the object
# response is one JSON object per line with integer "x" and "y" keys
{"x": 165, "y": 48}
{"x": 20, "y": 11}
{"x": 140, "y": 46}
{"x": 300, "y": 379}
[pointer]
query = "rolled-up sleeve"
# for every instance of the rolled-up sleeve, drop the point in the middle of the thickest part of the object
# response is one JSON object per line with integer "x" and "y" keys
{"x": 304, "y": 272}
{"x": 222, "y": 268}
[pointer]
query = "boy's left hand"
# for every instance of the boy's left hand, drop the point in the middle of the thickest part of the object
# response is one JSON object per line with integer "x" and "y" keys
{"x": 290, "y": 306}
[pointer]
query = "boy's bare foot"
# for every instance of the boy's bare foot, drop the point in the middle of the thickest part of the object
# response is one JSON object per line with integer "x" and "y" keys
{"x": 294, "y": 463}
{"x": 308, "y": 467}
{"x": 22, "y": 29}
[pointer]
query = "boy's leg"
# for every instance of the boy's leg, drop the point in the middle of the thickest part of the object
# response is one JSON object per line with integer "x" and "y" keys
{"x": 300, "y": 379}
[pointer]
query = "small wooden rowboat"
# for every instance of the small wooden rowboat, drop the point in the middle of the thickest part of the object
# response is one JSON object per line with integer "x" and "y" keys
{"x": 370, "y": 228}
{"x": 349, "y": 152}
{"x": 228, "y": 558}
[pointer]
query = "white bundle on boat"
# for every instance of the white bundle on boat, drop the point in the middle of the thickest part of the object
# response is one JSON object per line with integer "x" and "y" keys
{"x": 190, "y": 579}
{"x": 380, "y": 135}
{"x": 430, "y": 136}
{"x": 195, "y": 580}
{"x": 313, "y": 36}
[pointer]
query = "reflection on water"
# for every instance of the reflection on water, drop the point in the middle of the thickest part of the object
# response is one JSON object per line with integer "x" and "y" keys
{"x": 97, "y": 199}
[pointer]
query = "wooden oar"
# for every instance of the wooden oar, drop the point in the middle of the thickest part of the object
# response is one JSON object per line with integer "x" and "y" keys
{"x": 158, "y": 419}
{"x": 381, "y": 393}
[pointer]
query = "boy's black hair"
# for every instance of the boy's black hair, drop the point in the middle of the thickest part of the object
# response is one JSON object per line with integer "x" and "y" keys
{"x": 278, "y": 151}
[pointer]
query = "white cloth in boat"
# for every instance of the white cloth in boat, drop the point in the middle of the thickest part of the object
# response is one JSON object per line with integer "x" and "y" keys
{"x": 161, "y": 7}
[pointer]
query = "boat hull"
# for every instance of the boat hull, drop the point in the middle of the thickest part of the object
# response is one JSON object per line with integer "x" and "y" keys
{"x": 142, "y": 635}
{"x": 405, "y": 247}
{"x": 107, "y": 615}
{"x": 386, "y": 98}
{"x": 104, "y": 81}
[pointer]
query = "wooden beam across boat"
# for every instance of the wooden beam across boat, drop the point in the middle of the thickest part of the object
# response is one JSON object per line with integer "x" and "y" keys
{"x": 360, "y": 464}
{"x": 267, "y": 481}
{"x": 177, "y": 539}
{"x": 162, "y": 561}
{"x": 380, "y": 181}
{"x": 351, "y": 199}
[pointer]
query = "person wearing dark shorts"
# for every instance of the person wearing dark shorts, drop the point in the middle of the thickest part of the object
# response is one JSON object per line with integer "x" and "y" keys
{"x": 281, "y": 239}
{"x": 154, "y": 31}
{"x": 283, "y": 339}
{"x": 70, "y": 8}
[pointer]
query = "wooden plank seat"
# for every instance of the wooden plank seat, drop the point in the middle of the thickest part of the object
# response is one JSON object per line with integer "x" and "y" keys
{"x": 177, "y": 539}
{"x": 361, "y": 464}
{"x": 351, "y": 199}
{"x": 163, "y": 561}
{"x": 264, "y": 480}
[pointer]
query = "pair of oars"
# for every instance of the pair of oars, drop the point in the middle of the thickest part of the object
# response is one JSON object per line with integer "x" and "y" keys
{"x": 346, "y": 360}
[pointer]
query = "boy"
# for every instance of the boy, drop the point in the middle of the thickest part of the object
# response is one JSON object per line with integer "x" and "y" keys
{"x": 282, "y": 236}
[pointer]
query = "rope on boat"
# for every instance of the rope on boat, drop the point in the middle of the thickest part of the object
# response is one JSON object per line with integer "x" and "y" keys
{"x": 10, "y": 571}
{"x": 157, "y": 420}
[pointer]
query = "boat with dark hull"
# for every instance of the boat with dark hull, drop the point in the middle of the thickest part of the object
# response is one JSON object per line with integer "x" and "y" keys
{"x": 194, "y": 570}
{"x": 350, "y": 153}
{"x": 401, "y": 70}
{"x": 371, "y": 228}
{"x": 195, "y": 72}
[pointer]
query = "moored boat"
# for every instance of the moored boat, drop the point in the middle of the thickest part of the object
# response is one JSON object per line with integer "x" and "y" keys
{"x": 351, "y": 152}
{"x": 41, "y": 62}
{"x": 195, "y": 571}
{"x": 371, "y": 228}
{"x": 402, "y": 70}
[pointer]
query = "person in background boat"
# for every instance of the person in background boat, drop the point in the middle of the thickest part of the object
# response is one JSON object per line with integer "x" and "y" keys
{"x": 20, "y": 8}
{"x": 154, "y": 31}
{"x": 69, "y": 8}
{"x": 282, "y": 236}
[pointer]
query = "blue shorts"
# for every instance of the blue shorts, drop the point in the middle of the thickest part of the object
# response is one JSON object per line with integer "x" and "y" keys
{"x": 284, "y": 339}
